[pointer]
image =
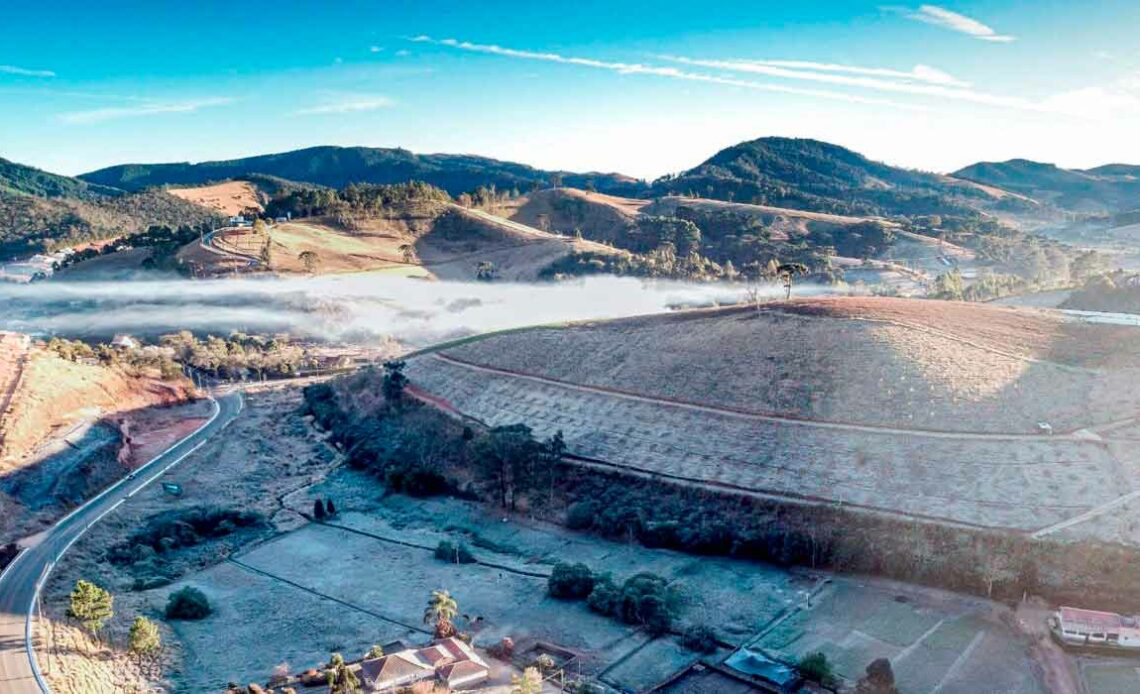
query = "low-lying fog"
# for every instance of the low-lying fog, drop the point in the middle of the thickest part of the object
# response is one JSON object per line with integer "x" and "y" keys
{"x": 347, "y": 307}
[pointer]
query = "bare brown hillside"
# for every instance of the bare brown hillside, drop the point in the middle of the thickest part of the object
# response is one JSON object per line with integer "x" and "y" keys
{"x": 435, "y": 241}
{"x": 228, "y": 198}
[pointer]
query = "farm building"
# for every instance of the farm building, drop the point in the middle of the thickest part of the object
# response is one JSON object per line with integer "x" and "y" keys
{"x": 1090, "y": 627}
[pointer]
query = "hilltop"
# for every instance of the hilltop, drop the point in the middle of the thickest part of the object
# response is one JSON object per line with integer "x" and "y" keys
{"x": 926, "y": 409}
{"x": 337, "y": 167}
{"x": 818, "y": 176}
{"x": 1105, "y": 189}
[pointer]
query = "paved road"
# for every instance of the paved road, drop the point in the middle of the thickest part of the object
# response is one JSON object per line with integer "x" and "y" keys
{"x": 19, "y": 584}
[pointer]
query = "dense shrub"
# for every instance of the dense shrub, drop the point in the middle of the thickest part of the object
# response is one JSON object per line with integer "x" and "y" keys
{"x": 580, "y": 515}
{"x": 461, "y": 553}
{"x": 699, "y": 638}
{"x": 175, "y": 529}
{"x": 188, "y": 603}
{"x": 570, "y": 581}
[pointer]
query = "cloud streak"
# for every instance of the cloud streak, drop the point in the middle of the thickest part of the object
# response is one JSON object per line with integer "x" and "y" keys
{"x": 24, "y": 72}
{"x": 922, "y": 81}
{"x": 142, "y": 109}
{"x": 350, "y": 104}
{"x": 954, "y": 21}
{"x": 656, "y": 71}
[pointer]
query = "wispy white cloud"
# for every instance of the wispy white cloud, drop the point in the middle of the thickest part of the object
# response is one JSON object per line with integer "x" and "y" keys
{"x": 141, "y": 109}
{"x": 954, "y": 21}
{"x": 353, "y": 103}
{"x": 919, "y": 73}
{"x": 24, "y": 72}
{"x": 375, "y": 49}
{"x": 655, "y": 70}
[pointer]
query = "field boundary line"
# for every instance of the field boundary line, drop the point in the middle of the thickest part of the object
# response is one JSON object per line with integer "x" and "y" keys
{"x": 252, "y": 569}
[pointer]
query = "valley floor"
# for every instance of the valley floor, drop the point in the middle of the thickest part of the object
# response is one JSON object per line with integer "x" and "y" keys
{"x": 295, "y": 590}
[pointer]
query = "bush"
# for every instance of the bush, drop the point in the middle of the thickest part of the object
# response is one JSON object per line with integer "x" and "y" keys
{"x": 814, "y": 666}
{"x": 699, "y": 638}
{"x": 188, "y": 603}
{"x": 445, "y": 551}
{"x": 174, "y": 529}
{"x": 580, "y": 515}
{"x": 570, "y": 581}
{"x": 605, "y": 598}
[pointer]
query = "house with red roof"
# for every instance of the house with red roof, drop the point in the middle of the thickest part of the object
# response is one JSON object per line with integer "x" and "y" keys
{"x": 451, "y": 661}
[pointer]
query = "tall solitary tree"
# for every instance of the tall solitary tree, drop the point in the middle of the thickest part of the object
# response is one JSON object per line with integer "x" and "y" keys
{"x": 440, "y": 610}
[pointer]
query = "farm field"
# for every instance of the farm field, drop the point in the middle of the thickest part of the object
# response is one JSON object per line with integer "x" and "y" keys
{"x": 376, "y": 566}
{"x": 837, "y": 401}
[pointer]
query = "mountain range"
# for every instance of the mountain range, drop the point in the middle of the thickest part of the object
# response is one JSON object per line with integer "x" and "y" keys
{"x": 37, "y": 207}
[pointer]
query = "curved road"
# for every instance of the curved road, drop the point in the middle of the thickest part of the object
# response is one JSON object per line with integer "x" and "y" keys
{"x": 21, "y": 582}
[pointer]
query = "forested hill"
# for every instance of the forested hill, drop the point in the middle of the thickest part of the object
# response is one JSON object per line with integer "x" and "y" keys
{"x": 337, "y": 167}
{"x": 1105, "y": 189}
{"x": 822, "y": 177}
{"x": 42, "y": 211}
{"x": 18, "y": 178}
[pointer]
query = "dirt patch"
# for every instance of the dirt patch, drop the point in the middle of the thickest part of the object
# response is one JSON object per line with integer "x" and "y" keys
{"x": 229, "y": 198}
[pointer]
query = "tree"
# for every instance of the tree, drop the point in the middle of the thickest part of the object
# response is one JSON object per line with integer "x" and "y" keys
{"x": 375, "y": 652}
{"x": 787, "y": 273}
{"x": 394, "y": 380}
{"x": 91, "y": 606}
{"x": 408, "y": 251}
{"x": 530, "y": 682}
{"x": 318, "y": 510}
{"x": 880, "y": 679}
{"x": 440, "y": 610}
{"x": 188, "y": 603}
{"x": 330, "y": 510}
{"x": 144, "y": 639}
{"x": 556, "y": 180}
{"x": 340, "y": 677}
{"x": 310, "y": 260}
{"x": 485, "y": 271}
{"x": 570, "y": 581}
{"x": 508, "y": 456}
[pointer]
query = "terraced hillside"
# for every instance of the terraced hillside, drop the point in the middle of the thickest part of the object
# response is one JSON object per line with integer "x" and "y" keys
{"x": 917, "y": 408}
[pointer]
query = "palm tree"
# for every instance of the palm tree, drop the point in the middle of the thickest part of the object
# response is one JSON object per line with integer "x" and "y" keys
{"x": 441, "y": 609}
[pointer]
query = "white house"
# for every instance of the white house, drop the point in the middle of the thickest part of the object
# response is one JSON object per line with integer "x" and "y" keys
{"x": 1093, "y": 628}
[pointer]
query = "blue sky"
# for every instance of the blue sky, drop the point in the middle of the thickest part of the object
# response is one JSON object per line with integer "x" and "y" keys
{"x": 644, "y": 88}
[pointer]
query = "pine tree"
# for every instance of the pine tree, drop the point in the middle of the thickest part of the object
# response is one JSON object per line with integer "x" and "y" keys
{"x": 330, "y": 510}
{"x": 144, "y": 639}
{"x": 90, "y": 605}
{"x": 318, "y": 510}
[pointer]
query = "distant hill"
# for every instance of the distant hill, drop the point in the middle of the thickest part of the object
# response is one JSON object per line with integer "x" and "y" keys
{"x": 42, "y": 211}
{"x": 822, "y": 177}
{"x": 18, "y": 178}
{"x": 1104, "y": 189}
{"x": 337, "y": 167}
